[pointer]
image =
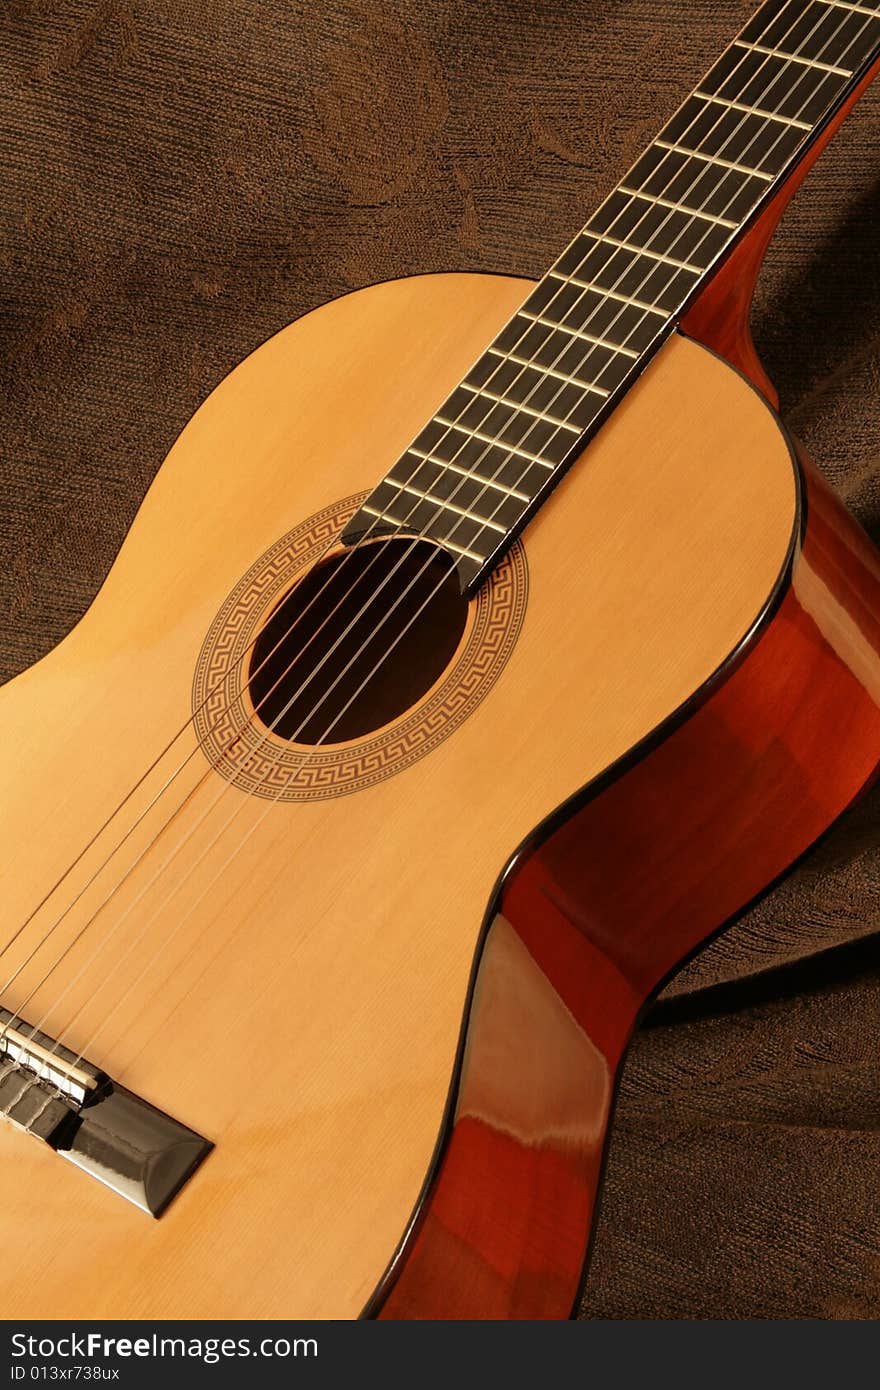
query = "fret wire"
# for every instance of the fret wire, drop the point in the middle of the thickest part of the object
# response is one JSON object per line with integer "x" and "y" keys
{"x": 577, "y": 333}
{"x": 714, "y": 159}
{"x": 611, "y": 294}
{"x": 765, "y": 116}
{"x": 792, "y": 58}
{"x": 644, "y": 251}
{"x": 752, "y": 110}
{"x": 520, "y": 409}
{"x": 468, "y": 473}
{"x": 856, "y": 9}
{"x": 628, "y": 246}
{"x": 445, "y": 505}
{"x": 442, "y": 540}
{"x": 470, "y": 554}
{"x": 551, "y": 371}
{"x": 677, "y": 207}
{"x": 756, "y": 111}
{"x": 493, "y": 439}
{"x": 637, "y": 250}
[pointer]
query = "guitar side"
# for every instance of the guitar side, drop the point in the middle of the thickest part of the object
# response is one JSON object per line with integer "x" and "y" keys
{"x": 611, "y": 895}
{"x": 342, "y": 911}
{"x": 633, "y": 875}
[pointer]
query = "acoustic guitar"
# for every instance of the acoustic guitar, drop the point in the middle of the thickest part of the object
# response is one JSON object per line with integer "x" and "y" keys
{"x": 481, "y": 649}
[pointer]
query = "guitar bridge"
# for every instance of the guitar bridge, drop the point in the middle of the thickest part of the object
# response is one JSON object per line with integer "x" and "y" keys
{"x": 50, "y": 1093}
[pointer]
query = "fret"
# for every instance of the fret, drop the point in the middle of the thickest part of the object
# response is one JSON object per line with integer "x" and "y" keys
{"x": 819, "y": 33}
{"x": 715, "y": 159}
{"x": 625, "y": 272}
{"x": 444, "y": 504}
{"x": 459, "y": 549}
{"x": 554, "y": 373}
{"x": 548, "y": 347}
{"x": 485, "y": 458}
{"x": 480, "y": 456}
{"x": 554, "y": 420}
{"x": 739, "y": 137}
{"x": 455, "y": 472}
{"x": 500, "y": 422}
{"x": 842, "y": 5}
{"x": 752, "y": 110}
{"x": 521, "y": 381}
{"x": 530, "y": 403}
{"x": 724, "y": 193}
{"x": 754, "y": 80}
{"x": 609, "y": 294}
{"x": 602, "y": 321}
{"x": 443, "y": 536}
{"x": 656, "y": 231}
{"x": 793, "y": 58}
{"x": 679, "y": 207}
{"x": 654, "y": 255}
{"x": 491, "y": 439}
{"x": 576, "y": 333}
{"x": 424, "y": 527}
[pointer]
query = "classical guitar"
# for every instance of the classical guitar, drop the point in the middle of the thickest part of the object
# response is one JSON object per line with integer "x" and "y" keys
{"x": 480, "y": 650}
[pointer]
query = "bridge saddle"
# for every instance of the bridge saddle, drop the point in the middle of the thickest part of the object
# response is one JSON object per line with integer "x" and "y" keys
{"x": 48, "y": 1092}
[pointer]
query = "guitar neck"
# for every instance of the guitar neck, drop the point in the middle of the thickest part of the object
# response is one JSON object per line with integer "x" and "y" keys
{"x": 489, "y": 457}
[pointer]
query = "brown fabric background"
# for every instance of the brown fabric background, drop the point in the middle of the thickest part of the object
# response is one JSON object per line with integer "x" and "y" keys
{"x": 182, "y": 178}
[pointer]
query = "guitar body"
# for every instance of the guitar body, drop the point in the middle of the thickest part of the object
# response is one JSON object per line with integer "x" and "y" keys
{"x": 636, "y": 721}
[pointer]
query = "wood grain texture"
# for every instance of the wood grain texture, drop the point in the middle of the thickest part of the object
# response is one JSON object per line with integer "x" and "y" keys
{"x": 604, "y": 905}
{"x": 176, "y": 189}
{"x": 323, "y": 1126}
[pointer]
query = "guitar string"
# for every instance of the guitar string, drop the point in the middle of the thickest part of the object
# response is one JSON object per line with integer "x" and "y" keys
{"x": 338, "y": 716}
{"x": 374, "y": 526}
{"x": 417, "y": 575}
{"x": 369, "y": 676}
{"x": 120, "y": 1001}
{"x": 189, "y": 757}
{"x": 181, "y": 766}
{"x": 239, "y": 660}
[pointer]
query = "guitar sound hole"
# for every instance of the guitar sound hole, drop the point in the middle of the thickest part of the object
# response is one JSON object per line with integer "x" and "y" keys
{"x": 357, "y": 642}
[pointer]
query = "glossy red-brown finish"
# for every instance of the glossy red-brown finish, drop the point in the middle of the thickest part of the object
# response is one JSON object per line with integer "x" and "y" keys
{"x": 630, "y": 881}
{"x": 594, "y": 916}
{"x": 720, "y": 316}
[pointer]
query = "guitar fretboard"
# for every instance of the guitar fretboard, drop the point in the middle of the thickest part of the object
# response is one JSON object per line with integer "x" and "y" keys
{"x": 495, "y": 448}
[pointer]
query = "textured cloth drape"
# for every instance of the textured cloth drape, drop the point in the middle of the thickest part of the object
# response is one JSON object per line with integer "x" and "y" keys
{"x": 181, "y": 178}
